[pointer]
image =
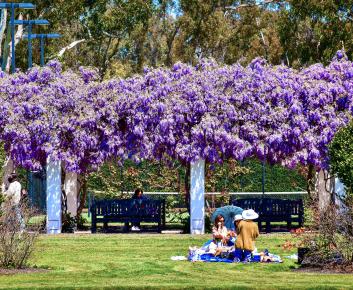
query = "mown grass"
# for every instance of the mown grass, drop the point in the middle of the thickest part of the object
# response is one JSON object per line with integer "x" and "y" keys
{"x": 143, "y": 261}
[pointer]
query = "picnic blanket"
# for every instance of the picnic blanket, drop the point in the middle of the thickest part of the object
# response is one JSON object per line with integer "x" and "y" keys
{"x": 202, "y": 255}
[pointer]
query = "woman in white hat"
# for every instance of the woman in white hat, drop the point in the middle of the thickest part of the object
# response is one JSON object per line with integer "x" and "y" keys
{"x": 247, "y": 232}
{"x": 237, "y": 219}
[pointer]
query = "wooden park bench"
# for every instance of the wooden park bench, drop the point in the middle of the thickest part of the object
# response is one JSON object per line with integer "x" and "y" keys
{"x": 127, "y": 210}
{"x": 274, "y": 210}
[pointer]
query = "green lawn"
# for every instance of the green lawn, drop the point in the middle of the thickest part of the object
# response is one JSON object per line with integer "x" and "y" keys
{"x": 143, "y": 261}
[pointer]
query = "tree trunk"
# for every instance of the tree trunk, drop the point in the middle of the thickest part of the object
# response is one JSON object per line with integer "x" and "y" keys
{"x": 83, "y": 196}
{"x": 2, "y": 26}
{"x": 325, "y": 189}
{"x": 70, "y": 188}
{"x": 7, "y": 170}
{"x": 311, "y": 181}
{"x": 18, "y": 37}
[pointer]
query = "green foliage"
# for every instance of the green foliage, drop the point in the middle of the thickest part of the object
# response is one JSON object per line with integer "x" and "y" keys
{"x": 341, "y": 156}
{"x": 312, "y": 31}
{"x": 2, "y": 199}
{"x": 231, "y": 176}
{"x": 121, "y": 37}
{"x": 68, "y": 223}
{"x": 2, "y": 158}
{"x": 115, "y": 180}
{"x": 81, "y": 222}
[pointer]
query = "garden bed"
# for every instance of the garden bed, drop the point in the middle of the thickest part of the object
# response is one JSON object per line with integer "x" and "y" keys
{"x": 329, "y": 269}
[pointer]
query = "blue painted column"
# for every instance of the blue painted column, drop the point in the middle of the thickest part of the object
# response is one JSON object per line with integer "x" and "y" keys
{"x": 42, "y": 51}
{"x": 12, "y": 24}
{"x": 30, "y": 45}
{"x": 197, "y": 197}
{"x": 53, "y": 197}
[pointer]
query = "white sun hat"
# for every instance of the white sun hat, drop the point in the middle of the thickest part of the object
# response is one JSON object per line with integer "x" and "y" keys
{"x": 249, "y": 214}
{"x": 238, "y": 217}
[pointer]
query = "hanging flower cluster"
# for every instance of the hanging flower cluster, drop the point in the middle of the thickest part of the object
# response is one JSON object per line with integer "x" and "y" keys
{"x": 185, "y": 112}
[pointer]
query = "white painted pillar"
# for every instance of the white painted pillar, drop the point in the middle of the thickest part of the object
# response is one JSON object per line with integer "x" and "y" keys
{"x": 70, "y": 187}
{"x": 197, "y": 197}
{"x": 53, "y": 197}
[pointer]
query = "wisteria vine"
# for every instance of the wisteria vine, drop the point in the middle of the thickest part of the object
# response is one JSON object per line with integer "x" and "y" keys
{"x": 185, "y": 112}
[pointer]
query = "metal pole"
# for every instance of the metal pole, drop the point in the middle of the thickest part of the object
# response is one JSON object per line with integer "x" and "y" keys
{"x": 89, "y": 203}
{"x": 29, "y": 45}
{"x": 42, "y": 51}
{"x": 263, "y": 177}
{"x": 13, "y": 64}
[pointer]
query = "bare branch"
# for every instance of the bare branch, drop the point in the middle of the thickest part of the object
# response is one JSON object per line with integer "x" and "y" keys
{"x": 71, "y": 45}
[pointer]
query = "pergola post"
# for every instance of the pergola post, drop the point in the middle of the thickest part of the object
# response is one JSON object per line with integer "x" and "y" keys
{"x": 197, "y": 197}
{"x": 53, "y": 196}
{"x": 70, "y": 187}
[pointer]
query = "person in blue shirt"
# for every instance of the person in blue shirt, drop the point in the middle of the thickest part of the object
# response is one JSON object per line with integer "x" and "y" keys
{"x": 138, "y": 195}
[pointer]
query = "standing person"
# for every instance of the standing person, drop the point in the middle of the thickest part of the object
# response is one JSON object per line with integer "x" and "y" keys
{"x": 13, "y": 193}
{"x": 247, "y": 232}
{"x": 139, "y": 196}
{"x": 14, "y": 190}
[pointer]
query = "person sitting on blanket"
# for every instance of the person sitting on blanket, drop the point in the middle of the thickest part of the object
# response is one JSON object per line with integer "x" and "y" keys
{"x": 221, "y": 237}
{"x": 247, "y": 232}
{"x": 237, "y": 220}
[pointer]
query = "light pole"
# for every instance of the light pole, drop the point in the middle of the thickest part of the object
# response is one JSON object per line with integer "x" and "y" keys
{"x": 12, "y": 7}
{"x": 42, "y": 37}
{"x": 29, "y": 24}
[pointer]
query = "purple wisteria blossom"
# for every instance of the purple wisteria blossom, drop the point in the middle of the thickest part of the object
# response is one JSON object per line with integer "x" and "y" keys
{"x": 183, "y": 113}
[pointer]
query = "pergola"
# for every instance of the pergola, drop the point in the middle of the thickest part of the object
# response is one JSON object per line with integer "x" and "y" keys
{"x": 195, "y": 114}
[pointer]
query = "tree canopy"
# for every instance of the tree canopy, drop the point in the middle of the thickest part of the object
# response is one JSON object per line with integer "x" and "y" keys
{"x": 121, "y": 37}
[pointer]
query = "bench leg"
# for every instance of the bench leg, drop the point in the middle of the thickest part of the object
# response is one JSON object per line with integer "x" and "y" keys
{"x": 289, "y": 225}
{"x": 159, "y": 227}
{"x": 268, "y": 227}
{"x": 93, "y": 227}
{"x": 105, "y": 226}
{"x": 126, "y": 227}
{"x": 301, "y": 222}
